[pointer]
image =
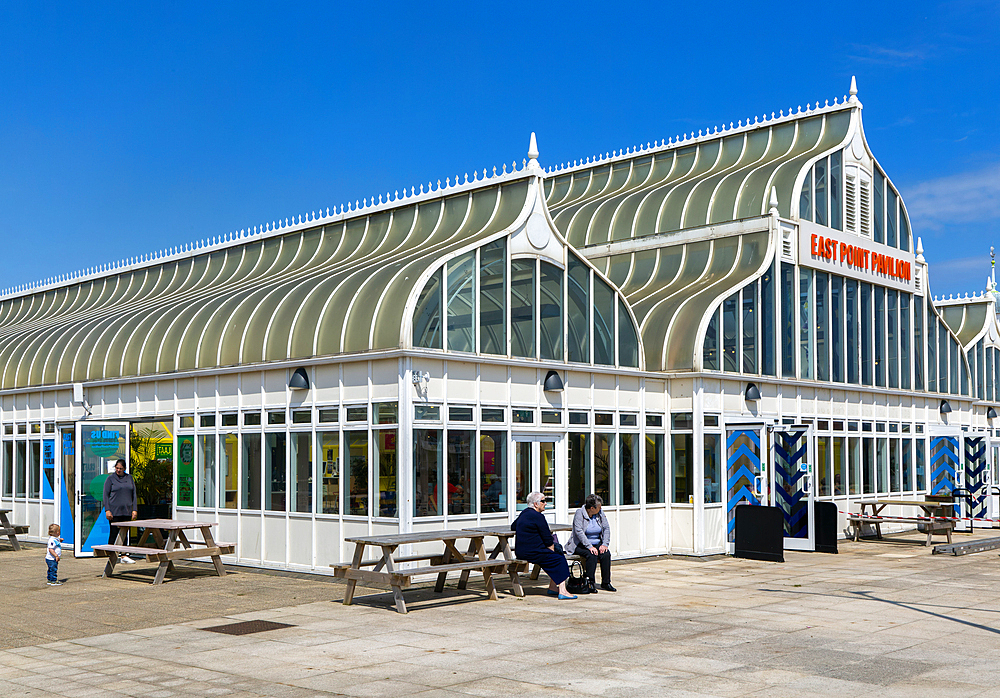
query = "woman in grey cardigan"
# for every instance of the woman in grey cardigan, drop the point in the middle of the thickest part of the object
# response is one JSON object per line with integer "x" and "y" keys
{"x": 591, "y": 537}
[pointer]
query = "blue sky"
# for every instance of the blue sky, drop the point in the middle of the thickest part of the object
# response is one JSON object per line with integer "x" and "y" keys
{"x": 128, "y": 128}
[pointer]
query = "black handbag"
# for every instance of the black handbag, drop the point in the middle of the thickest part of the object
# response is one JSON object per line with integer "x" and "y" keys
{"x": 578, "y": 582}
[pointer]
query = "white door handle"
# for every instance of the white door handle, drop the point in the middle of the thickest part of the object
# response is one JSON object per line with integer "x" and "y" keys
{"x": 757, "y": 484}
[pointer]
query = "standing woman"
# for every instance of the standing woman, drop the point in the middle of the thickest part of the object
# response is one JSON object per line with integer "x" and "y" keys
{"x": 591, "y": 538}
{"x": 534, "y": 543}
{"x": 120, "y": 502}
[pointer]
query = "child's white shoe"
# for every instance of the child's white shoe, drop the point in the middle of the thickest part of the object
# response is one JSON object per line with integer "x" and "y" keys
{"x": 127, "y": 560}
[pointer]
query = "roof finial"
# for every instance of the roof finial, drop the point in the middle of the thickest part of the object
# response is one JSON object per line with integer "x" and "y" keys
{"x": 920, "y": 251}
{"x": 774, "y": 202}
{"x": 533, "y": 153}
{"x": 854, "y": 89}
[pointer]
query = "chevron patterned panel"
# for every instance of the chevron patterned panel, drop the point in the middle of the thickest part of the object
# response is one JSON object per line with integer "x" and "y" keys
{"x": 742, "y": 468}
{"x": 944, "y": 463}
{"x": 975, "y": 475}
{"x": 790, "y": 449}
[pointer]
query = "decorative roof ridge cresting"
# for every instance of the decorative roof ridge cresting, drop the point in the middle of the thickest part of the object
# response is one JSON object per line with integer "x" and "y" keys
{"x": 361, "y": 207}
{"x": 704, "y": 135}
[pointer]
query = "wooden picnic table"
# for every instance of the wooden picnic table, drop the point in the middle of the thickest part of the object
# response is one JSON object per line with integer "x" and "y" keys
{"x": 166, "y": 551}
{"x": 932, "y": 521}
{"x": 503, "y": 535}
{"x": 10, "y": 530}
{"x": 387, "y": 571}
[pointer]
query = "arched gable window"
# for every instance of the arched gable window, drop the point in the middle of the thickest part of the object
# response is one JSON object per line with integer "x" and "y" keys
{"x": 524, "y": 307}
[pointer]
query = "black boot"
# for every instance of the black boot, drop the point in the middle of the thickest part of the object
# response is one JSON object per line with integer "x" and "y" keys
{"x": 607, "y": 587}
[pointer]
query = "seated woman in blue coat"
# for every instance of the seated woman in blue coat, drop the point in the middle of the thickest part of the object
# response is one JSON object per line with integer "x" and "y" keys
{"x": 533, "y": 543}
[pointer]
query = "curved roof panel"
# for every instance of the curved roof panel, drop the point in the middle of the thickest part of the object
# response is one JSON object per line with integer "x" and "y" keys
{"x": 321, "y": 289}
{"x": 712, "y": 179}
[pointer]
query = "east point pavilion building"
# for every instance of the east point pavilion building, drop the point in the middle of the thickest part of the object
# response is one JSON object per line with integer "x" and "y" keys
{"x": 736, "y": 316}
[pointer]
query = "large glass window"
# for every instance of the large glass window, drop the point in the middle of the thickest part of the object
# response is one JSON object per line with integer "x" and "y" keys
{"x": 604, "y": 323}
{"x": 710, "y": 351}
{"x": 805, "y": 323}
{"x": 921, "y": 444}
{"x": 730, "y": 333}
{"x": 787, "y": 320}
{"x": 750, "y": 328}
{"x": 868, "y": 454}
{"x": 655, "y": 469}
{"x": 932, "y": 384}
{"x": 890, "y": 217}
{"x": 866, "y": 334}
{"x": 838, "y": 465}
{"x": 892, "y": 329}
{"x": 34, "y": 469}
{"x": 301, "y": 472}
{"x": 823, "y": 465}
{"x": 854, "y": 464}
{"x": 880, "y": 337}
{"x": 462, "y": 303}
{"x": 461, "y": 493}
{"x": 904, "y": 341}
{"x": 551, "y": 335}
{"x": 493, "y": 470}
{"x": 851, "y": 315}
{"x": 836, "y": 161}
{"x": 386, "y": 472}
{"x": 907, "y": 465}
{"x": 904, "y": 229}
{"x": 251, "y": 471}
{"x": 21, "y": 482}
{"x": 954, "y": 363}
{"x": 578, "y": 310}
{"x": 603, "y": 462}
{"x": 428, "y": 465}
{"x": 943, "y": 374}
{"x": 522, "y": 473}
{"x": 878, "y": 206}
{"x": 819, "y": 171}
{"x": 274, "y": 466}
{"x": 357, "y": 471}
{"x": 427, "y": 316}
{"x": 683, "y": 463}
{"x": 713, "y": 468}
{"x": 918, "y": 343}
{"x": 989, "y": 375}
{"x": 522, "y": 307}
{"x": 627, "y": 474}
{"x": 822, "y": 327}
{"x": 329, "y": 444}
{"x": 894, "y": 470}
{"x": 579, "y": 469}
{"x": 805, "y": 198}
{"x": 628, "y": 340}
{"x": 206, "y": 470}
{"x": 882, "y": 457}
{"x": 837, "y": 328}
{"x": 8, "y": 469}
{"x": 767, "y": 358}
{"x": 229, "y": 469}
{"x": 493, "y": 297}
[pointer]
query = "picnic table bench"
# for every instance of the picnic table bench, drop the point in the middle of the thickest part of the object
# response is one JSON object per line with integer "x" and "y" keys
{"x": 387, "y": 571}
{"x": 504, "y": 535}
{"x": 12, "y": 531}
{"x": 931, "y": 523}
{"x": 165, "y": 551}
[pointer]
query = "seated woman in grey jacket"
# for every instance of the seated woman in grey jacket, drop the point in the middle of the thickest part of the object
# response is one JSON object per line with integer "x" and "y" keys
{"x": 591, "y": 537}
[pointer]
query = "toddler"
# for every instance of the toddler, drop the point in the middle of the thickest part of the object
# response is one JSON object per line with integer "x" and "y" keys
{"x": 52, "y": 554}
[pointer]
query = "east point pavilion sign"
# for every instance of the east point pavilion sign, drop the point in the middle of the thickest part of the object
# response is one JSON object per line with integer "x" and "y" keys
{"x": 855, "y": 257}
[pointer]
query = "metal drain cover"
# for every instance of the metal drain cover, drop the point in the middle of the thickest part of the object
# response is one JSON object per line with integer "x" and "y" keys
{"x": 247, "y": 627}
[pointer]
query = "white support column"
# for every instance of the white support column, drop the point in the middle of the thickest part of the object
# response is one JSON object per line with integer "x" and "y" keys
{"x": 404, "y": 446}
{"x": 698, "y": 464}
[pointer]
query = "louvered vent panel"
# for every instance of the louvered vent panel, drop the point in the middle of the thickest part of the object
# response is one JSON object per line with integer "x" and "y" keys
{"x": 866, "y": 208}
{"x": 918, "y": 280}
{"x": 852, "y": 204}
{"x": 788, "y": 244}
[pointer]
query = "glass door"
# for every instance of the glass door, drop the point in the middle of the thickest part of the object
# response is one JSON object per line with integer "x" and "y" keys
{"x": 100, "y": 445}
{"x": 791, "y": 484}
{"x": 536, "y": 468}
{"x": 745, "y": 473}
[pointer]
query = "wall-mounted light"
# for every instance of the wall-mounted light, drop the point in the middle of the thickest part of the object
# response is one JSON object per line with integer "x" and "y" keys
{"x": 553, "y": 382}
{"x": 945, "y": 407}
{"x": 751, "y": 394}
{"x": 299, "y": 380}
{"x": 991, "y": 413}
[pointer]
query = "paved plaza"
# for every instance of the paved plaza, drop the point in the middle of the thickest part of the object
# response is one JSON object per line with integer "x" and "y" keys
{"x": 880, "y": 619}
